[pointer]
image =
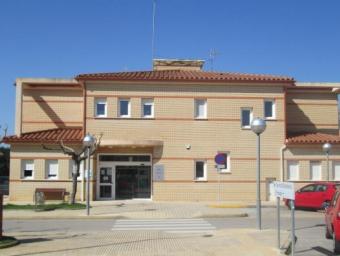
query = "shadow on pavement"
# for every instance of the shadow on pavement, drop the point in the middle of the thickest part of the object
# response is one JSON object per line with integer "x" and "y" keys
{"x": 34, "y": 240}
{"x": 323, "y": 250}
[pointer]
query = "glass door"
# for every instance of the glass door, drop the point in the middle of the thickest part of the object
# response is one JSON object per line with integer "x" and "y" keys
{"x": 106, "y": 182}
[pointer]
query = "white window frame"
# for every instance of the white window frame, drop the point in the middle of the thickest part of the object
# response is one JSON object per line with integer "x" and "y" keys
{"x": 205, "y": 170}
{"x": 298, "y": 170}
{"x": 228, "y": 169}
{"x": 204, "y": 116}
{"x": 24, "y": 163}
{"x": 129, "y": 107}
{"x": 81, "y": 169}
{"x": 100, "y": 101}
{"x": 250, "y": 117}
{"x": 149, "y": 102}
{"x": 311, "y": 163}
{"x": 273, "y": 117}
{"x": 47, "y": 169}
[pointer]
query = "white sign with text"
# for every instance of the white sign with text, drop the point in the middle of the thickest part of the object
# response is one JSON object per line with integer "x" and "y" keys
{"x": 284, "y": 190}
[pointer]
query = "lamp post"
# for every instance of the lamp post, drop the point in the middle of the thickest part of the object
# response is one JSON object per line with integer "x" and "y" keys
{"x": 327, "y": 149}
{"x": 88, "y": 143}
{"x": 258, "y": 126}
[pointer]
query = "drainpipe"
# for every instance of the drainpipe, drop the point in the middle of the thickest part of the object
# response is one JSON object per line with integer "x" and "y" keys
{"x": 282, "y": 149}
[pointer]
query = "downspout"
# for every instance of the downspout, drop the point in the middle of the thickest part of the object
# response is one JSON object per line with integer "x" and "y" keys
{"x": 282, "y": 149}
{"x": 84, "y": 132}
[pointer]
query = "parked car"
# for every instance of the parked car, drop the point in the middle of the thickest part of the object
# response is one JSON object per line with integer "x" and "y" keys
{"x": 315, "y": 195}
{"x": 332, "y": 220}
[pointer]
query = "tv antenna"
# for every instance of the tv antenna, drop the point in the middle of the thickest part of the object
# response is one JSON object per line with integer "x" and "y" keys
{"x": 212, "y": 55}
{"x": 153, "y": 29}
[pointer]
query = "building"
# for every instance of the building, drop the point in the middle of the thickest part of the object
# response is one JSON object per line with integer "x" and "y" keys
{"x": 162, "y": 128}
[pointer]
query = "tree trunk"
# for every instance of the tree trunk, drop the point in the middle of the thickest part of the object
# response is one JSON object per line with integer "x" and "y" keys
{"x": 75, "y": 182}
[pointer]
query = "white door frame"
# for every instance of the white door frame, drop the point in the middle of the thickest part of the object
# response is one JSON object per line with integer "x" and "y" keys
{"x": 113, "y": 166}
{"x": 113, "y": 180}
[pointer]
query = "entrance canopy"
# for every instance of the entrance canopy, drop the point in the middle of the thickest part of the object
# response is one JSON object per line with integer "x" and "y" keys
{"x": 134, "y": 143}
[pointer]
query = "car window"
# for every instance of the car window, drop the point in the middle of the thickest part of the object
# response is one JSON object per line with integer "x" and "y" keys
{"x": 320, "y": 188}
{"x": 335, "y": 198}
{"x": 309, "y": 188}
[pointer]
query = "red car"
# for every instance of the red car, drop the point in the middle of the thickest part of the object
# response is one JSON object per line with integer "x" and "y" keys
{"x": 332, "y": 219}
{"x": 315, "y": 196}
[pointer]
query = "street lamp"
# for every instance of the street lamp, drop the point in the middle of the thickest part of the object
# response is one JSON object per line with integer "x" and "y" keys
{"x": 258, "y": 126}
{"x": 327, "y": 149}
{"x": 88, "y": 143}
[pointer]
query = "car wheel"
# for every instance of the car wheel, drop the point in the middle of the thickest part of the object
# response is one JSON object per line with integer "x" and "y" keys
{"x": 336, "y": 244}
{"x": 328, "y": 235}
{"x": 288, "y": 204}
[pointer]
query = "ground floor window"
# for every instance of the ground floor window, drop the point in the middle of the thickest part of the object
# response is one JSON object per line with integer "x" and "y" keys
{"x": 315, "y": 170}
{"x": 73, "y": 166}
{"x": 293, "y": 170}
{"x": 52, "y": 169}
{"x": 200, "y": 170}
{"x": 27, "y": 169}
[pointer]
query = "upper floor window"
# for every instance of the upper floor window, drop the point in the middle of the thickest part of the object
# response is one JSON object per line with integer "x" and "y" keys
{"x": 27, "y": 169}
{"x": 100, "y": 107}
{"x": 124, "y": 108}
{"x": 246, "y": 117}
{"x": 52, "y": 168}
{"x": 147, "y": 108}
{"x": 200, "y": 108}
{"x": 269, "y": 108}
{"x": 200, "y": 170}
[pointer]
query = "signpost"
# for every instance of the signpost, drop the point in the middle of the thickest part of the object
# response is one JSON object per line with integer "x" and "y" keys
{"x": 285, "y": 190}
{"x": 221, "y": 161}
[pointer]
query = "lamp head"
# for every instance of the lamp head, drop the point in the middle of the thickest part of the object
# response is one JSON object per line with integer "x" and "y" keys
{"x": 88, "y": 141}
{"x": 258, "y": 125}
{"x": 327, "y": 147}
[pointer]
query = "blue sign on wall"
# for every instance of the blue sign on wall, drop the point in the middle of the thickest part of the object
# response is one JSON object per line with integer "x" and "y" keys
{"x": 221, "y": 159}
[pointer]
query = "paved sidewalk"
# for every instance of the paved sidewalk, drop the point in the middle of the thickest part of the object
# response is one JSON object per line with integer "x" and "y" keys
{"x": 232, "y": 242}
{"x": 139, "y": 209}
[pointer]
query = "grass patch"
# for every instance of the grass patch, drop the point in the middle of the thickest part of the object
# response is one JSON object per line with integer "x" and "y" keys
{"x": 8, "y": 241}
{"x": 45, "y": 207}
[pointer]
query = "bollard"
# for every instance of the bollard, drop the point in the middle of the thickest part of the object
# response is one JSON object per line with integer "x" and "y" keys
{"x": 1, "y": 208}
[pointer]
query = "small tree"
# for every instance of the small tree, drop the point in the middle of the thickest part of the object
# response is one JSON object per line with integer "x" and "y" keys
{"x": 77, "y": 156}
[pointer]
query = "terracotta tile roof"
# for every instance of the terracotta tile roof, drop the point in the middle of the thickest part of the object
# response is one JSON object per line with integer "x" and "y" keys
{"x": 312, "y": 138}
{"x": 185, "y": 76}
{"x": 70, "y": 135}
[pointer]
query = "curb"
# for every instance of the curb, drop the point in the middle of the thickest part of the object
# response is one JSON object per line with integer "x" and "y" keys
{"x": 115, "y": 217}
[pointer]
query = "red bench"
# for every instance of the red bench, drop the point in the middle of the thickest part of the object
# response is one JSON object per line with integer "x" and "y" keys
{"x": 52, "y": 193}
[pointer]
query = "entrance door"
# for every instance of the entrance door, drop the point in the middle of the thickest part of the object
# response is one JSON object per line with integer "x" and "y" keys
{"x": 106, "y": 182}
{"x": 133, "y": 182}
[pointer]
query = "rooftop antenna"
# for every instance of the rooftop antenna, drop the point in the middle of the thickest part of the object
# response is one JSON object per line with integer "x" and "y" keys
{"x": 212, "y": 55}
{"x": 153, "y": 29}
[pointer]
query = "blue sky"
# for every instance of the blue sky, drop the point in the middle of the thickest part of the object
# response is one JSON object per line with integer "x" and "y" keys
{"x": 63, "y": 38}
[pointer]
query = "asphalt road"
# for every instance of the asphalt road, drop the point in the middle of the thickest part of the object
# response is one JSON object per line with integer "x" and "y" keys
{"x": 309, "y": 227}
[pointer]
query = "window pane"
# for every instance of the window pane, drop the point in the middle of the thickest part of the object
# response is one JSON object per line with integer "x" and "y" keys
{"x": 100, "y": 109}
{"x": 27, "y": 168}
{"x": 200, "y": 108}
{"x": 28, "y": 173}
{"x": 245, "y": 117}
{"x": 124, "y": 107}
{"x": 52, "y": 168}
{"x": 199, "y": 169}
{"x": 147, "y": 110}
{"x": 268, "y": 109}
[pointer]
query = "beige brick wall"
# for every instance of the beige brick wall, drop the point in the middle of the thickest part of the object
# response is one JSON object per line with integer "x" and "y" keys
{"x": 23, "y": 189}
{"x": 312, "y": 111}
{"x": 174, "y": 124}
{"x": 48, "y": 108}
{"x": 305, "y": 154}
